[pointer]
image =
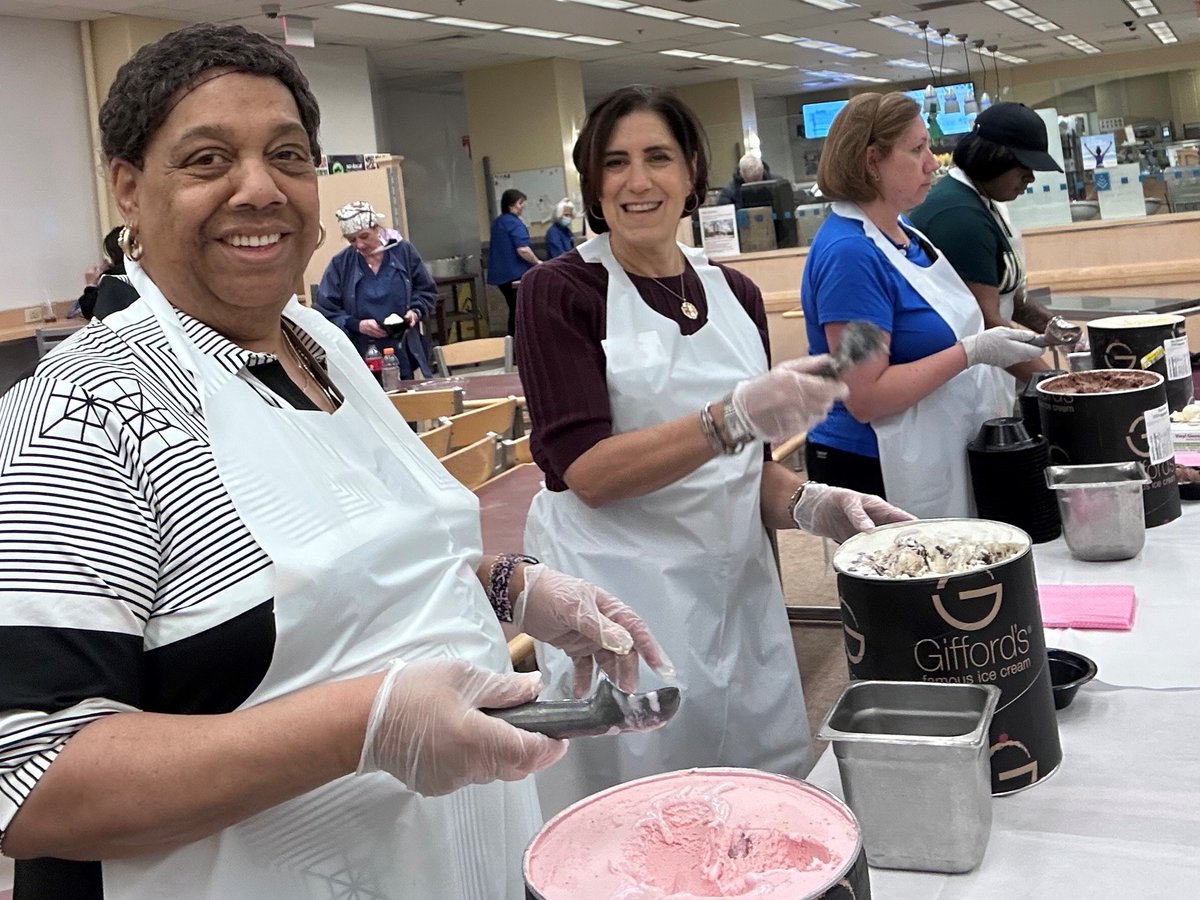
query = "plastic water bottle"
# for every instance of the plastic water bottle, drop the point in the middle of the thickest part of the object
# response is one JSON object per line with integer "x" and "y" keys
{"x": 374, "y": 361}
{"x": 390, "y": 373}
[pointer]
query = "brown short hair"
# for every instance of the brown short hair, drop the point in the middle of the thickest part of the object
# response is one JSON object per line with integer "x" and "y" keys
{"x": 601, "y": 122}
{"x": 867, "y": 120}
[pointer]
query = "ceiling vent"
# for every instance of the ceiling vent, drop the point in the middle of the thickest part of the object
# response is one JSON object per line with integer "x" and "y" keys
{"x": 457, "y": 36}
{"x": 1120, "y": 40}
{"x": 939, "y": 4}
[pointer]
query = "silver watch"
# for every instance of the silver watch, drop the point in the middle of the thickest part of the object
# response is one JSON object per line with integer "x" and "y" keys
{"x": 736, "y": 428}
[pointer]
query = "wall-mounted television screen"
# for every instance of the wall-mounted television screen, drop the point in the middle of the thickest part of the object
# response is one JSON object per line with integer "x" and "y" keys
{"x": 951, "y": 100}
{"x": 819, "y": 116}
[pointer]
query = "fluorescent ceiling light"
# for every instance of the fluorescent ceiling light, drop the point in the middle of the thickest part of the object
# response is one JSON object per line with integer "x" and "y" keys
{"x": 1163, "y": 32}
{"x": 604, "y": 4}
{"x": 1022, "y": 14}
{"x": 657, "y": 12}
{"x": 781, "y": 38}
{"x": 1143, "y": 7}
{"x": 906, "y": 64}
{"x": 686, "y": 54}
{"x": 455, "y": 22}
{"x": 831, "y": 4}
{"x": 778, "y": 67}
{"x": 870, "y": 79}
{"x": 709, "y": 23}
{"x": 1078, "y": 43}
{"x": 716, "y": 57}
{"x": 748, "y": 62}
{"x": 536, "y": 32}
{"x": 1001, "y": 5}
{"x": 373, "y": 10}
{"x": 588, "y": 39}
{"x": 904, "y": 26}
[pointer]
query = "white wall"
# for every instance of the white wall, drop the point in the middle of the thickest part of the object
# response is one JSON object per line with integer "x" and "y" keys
{"x": 49, "y": 228}
{"x": 341, "y": 80}
{"x": 427, "y": 130}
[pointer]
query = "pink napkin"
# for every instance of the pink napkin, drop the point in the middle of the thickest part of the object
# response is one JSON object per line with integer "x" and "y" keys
{"x": 1108, "y": 607}
{"x": 1187, "y": 459}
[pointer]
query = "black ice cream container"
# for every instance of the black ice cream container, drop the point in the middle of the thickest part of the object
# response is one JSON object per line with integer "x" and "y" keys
{"x": 1126, "y": 420}
{"x": 1151, "y": 342}
{"x": 982, "y": 625}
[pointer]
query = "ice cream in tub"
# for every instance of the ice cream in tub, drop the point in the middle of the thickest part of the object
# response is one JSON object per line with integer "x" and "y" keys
{"x": 716, "y": 832}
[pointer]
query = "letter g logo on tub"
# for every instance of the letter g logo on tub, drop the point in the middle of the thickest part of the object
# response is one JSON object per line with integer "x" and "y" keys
{"x": 995, "y": 591}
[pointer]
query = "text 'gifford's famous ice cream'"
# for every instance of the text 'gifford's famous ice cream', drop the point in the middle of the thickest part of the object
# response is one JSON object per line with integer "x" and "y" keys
{"x": 697, "y": 833}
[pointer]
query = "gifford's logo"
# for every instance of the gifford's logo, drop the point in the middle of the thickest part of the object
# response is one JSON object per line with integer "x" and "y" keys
{"x": 856, "y": 643}
{"x": 1118, "y": 356}
{"x": 1015, "y": 763}
{"x": 966, "y": 604}
{"x": 1135, "y": 438}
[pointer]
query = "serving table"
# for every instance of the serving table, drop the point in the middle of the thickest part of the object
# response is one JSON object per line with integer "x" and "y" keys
{"x": 1121, "y": 816}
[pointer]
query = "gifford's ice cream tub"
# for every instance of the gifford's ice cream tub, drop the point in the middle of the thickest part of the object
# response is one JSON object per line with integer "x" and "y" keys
{"x": 720, "y": 832}
{"x": 955, "y": 601}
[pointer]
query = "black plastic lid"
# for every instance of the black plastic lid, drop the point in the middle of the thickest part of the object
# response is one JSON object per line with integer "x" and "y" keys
{"x": 1002, "y": 435}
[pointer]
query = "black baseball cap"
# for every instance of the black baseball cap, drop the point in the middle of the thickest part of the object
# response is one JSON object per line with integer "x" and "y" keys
{"x": 1019, "y": 130}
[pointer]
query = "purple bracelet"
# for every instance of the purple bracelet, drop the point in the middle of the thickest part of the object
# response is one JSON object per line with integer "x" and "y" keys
{"x": 498, "y": 579}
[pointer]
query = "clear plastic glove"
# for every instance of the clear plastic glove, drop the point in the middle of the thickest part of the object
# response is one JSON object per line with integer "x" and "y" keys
{"x": 839, "y": 513}
{"x": 789, "y": 399}
{"x": 589, "y": 626}
{"x": 426, "y": 728}
{"x": 1001, "y": 347}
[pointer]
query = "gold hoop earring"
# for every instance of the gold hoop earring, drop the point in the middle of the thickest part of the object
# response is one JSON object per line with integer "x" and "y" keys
{"x": 321, "y": 232}
{"x": 128, "y": 243}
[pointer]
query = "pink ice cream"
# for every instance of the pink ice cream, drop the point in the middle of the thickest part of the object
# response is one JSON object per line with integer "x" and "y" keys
{"x": 695, "y": 834}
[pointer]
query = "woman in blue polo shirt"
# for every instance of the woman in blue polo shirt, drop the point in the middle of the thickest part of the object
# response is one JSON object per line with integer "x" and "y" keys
{"x": 903, "y": 428}
{"x": 509, "y": 253}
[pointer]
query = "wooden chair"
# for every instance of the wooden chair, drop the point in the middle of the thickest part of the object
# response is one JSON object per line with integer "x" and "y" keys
{"x": 49, "y": 338}
{"x": 420, "y": 406}
{"x": 488, "y": 355}
{"x": 516, "y": 452}
{"x": 473, "y": 464}
{"x": 496, "y": 419}
{"x": 437, "y": 440}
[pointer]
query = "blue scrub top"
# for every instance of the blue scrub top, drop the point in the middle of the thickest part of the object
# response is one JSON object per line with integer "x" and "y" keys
{"x": 508, "y": 233}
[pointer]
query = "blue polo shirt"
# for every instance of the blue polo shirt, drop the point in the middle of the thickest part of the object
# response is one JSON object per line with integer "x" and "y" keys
{"x": 847, "y": 278}
{"x": 508, "y": 233}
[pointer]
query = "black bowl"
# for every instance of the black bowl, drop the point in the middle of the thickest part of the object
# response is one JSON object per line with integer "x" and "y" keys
{"x": 1069, "y": 671}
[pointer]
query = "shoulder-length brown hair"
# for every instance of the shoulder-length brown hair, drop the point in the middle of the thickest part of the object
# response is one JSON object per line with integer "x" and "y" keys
{"x": 601, "y": 122}
{"x": 868, "y": 120}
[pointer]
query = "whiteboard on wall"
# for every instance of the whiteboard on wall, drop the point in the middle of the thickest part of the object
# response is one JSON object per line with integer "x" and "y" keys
{"x": 543, "y": 188}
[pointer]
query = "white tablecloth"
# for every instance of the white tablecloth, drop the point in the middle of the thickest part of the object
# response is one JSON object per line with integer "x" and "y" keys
{"x": 1161, "y": 650}
{"x": 1121, "y": 816}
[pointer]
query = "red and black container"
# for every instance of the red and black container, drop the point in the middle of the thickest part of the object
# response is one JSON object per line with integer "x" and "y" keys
{"x": 979, "y": 625}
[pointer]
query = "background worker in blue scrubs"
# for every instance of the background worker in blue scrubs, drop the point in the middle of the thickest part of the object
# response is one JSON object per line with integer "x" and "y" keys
{"x": 509, "y": 253}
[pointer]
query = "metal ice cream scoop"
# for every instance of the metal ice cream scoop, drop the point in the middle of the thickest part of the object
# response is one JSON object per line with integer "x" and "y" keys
{"x": 607, "y": 710}
{"x": 1059, "y": 333}
{"x": 860, "y": 341}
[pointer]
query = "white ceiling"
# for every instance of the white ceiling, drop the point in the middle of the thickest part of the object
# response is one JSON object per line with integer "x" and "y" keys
{"x": 424, "y": 56}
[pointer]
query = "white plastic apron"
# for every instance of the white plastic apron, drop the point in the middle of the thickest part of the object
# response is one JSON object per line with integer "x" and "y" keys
{"x": 923, "y": 450}
{"x": 692, "y": 558}
{"x": 373, "y": 546}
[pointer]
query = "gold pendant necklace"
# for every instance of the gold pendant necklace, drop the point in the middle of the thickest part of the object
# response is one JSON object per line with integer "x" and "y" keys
{"x": 686, "y": 306}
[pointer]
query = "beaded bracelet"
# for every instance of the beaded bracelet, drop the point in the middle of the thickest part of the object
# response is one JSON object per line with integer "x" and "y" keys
{"x": 498, "y": 578}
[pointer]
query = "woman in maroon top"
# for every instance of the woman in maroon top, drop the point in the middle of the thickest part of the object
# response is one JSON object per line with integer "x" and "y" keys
{"x": 646, "y": 373}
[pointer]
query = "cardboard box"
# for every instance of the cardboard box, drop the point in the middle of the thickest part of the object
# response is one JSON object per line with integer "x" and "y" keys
{"x": 756, "y": 229}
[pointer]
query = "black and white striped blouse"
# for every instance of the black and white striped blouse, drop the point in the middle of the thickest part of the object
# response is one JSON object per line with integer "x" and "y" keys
{"x": 127, "y": 580}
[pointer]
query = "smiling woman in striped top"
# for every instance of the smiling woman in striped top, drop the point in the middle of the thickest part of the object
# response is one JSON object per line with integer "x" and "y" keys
{"x": 246, "y": 626}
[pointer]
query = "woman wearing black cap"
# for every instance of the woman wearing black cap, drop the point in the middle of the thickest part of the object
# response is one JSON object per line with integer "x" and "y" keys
{"x": 965, "y": 217}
